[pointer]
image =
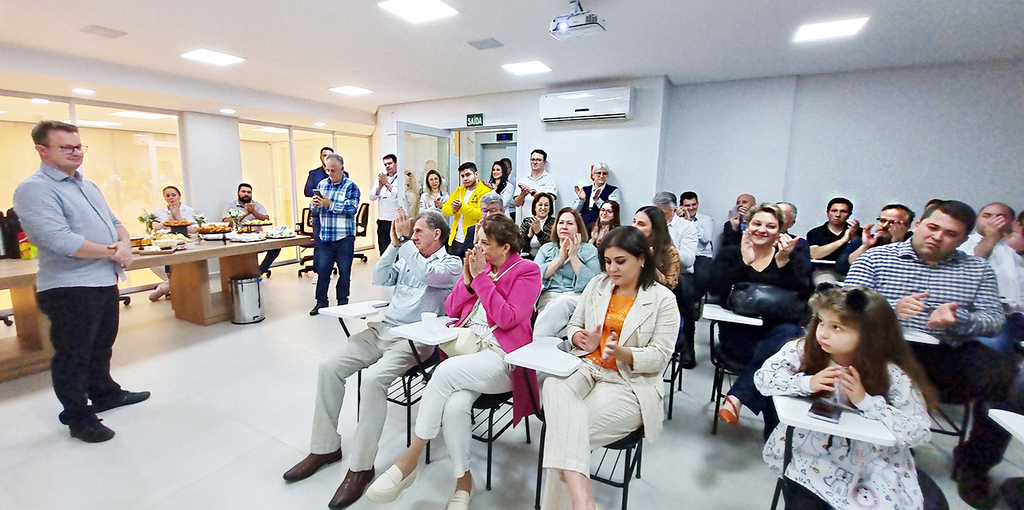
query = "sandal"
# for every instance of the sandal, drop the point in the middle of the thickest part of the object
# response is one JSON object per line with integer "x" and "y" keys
{"x": 730, "y": 411}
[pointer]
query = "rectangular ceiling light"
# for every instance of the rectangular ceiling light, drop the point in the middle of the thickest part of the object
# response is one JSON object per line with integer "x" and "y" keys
{"x": 531, "y": 67}
{"x": 212, "y": 57}
{"x": 84, "y": 92}
{"x": 139, "y": 115}
{"x": 418, "y": 11}
{"x": 96, "y": 123}
{"x": 39, "y": 100}
{"x": 351, "y": 90}
{"x": 268, "y": 129}
{"x": 829, "y": 30}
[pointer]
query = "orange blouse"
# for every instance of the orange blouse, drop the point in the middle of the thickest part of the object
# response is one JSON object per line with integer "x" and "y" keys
{"x": 618, "y": 308}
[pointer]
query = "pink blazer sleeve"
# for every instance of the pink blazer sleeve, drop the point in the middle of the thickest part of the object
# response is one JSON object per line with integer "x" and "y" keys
{"x": 460, "y": 298}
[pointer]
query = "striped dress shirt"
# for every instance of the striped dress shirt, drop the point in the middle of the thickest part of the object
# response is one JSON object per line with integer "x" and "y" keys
{"x": 338, "y": 220}
{"x": 895, "y": 271}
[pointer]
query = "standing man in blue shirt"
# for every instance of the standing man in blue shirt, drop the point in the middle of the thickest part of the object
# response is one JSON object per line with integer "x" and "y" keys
{"x": 83, "y": 249}
{"x": 335, "y": 201}
{"x": 315, "y": 176}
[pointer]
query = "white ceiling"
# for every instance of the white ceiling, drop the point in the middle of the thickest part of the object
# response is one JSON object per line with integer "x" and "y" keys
{"x": 300, "y": 48}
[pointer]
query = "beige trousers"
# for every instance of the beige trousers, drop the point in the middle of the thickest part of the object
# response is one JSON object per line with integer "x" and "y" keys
{"x": 383, "y": 359}
{"x": 590, "y": 408}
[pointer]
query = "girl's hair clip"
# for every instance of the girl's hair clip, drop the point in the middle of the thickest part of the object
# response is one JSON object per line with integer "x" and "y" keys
{"x": 826, "y": 286}
{"x": 857, "y": 299}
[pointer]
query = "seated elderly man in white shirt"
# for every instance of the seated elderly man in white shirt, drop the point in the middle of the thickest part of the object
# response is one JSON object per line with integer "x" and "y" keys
{"x": 423, "y": 275}
{"x": 993, "y": 240}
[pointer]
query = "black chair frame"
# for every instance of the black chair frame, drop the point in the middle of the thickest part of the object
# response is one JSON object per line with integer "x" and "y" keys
{"x": 724, "y": 367}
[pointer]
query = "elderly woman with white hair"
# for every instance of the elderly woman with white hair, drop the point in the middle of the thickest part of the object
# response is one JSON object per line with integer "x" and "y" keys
{"x": 591, "y": 198}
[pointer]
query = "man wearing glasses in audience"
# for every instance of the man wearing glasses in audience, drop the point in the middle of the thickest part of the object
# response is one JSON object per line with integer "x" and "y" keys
{"x": 539, "y": 181}
{"x": 891, "y": 226}
{"x": 83, "y": 250}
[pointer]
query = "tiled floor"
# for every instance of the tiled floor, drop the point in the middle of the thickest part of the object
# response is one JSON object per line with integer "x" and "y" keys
{"x": 231, "y": 411}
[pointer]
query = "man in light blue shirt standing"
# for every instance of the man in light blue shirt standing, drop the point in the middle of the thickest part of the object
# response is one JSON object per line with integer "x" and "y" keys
{"x": 83, "y": 249}
{"x": 423, "y": 274}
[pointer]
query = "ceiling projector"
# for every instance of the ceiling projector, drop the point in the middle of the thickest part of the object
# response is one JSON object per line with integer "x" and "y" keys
{"x": 578, "y": 23}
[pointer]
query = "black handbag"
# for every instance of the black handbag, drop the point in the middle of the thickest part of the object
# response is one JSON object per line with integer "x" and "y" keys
{"x": 771, "y": 303}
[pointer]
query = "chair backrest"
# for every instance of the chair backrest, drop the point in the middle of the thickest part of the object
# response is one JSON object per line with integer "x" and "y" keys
{"x": 306, "y": 225}
{"x": 362, "y": 219}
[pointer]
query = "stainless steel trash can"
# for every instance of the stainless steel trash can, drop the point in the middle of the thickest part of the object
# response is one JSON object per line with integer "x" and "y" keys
{"x": 246, "y": 300}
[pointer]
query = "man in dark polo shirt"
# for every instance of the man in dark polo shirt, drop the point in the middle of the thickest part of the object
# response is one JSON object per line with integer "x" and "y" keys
{"x": 827, "y": 240}
{"x": 83, "y": 249}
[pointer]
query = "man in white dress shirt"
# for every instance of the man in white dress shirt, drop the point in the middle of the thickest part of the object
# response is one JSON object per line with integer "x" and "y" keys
{"x": 386, "y": 192}
{"x": 538, "y": 181}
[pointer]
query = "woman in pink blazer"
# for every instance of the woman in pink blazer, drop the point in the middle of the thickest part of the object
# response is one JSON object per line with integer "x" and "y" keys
{"x": 494, "y": 297}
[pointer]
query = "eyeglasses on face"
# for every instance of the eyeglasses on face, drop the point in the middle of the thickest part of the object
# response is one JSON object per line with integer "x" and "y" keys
{"x": 69, "y": 149}
{"x": 885, "y": 221}
{"x": 538, "y": 160}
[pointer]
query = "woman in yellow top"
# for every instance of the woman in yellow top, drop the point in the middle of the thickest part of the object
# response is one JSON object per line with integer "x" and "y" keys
{"x": 625, "y": 327}
{"x": 464, "y": 204}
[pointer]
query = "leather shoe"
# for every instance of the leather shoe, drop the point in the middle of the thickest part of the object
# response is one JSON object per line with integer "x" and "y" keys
{"x": 351, "y": 489}
{"x": 311, "y": 464}
{"x": 125, "y": 398}
{"x": 975, "y": 492}
{"x": 315, "y": 311}
{"x": 91, "y": 431}
{"x": 389, "y": 486}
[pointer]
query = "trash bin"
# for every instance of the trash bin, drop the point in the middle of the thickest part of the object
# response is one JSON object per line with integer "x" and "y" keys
{"x": 247, "y": 303}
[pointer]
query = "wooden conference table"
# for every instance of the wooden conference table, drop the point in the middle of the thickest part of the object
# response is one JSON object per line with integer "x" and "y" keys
{"x": 29, "y": 351}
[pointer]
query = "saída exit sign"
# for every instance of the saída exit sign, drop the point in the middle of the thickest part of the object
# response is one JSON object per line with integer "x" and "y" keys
{"x": 474, "y": 119}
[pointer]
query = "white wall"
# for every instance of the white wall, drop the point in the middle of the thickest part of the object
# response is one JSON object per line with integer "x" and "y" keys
{"x": 900, "y": 135}
{"x": 631, "y": 148}
{"x": 727, "y": 138}
{"x": 211, "y": 161}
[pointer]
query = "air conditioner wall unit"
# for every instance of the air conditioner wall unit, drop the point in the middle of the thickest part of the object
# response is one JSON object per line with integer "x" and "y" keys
{"x": 614, "y": 103}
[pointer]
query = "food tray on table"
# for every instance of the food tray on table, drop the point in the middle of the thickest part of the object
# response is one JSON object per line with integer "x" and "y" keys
{"x": 246, "y": 238}
{"x": 280, "y": 232}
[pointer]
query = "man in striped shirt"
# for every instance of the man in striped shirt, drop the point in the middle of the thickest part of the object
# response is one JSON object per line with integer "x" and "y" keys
{"x": 952, "y": 296}
{"x": 335, "y": 200}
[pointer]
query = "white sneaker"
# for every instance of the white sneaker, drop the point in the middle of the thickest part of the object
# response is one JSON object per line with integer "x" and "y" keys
{"x": 315, "y": 278}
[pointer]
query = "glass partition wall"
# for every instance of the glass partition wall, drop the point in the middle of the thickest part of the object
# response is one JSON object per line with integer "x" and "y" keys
{"x": 134, "y": 153}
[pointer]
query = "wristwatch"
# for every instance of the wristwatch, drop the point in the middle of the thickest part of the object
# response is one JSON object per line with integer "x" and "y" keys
{"x": 402, "y": 239}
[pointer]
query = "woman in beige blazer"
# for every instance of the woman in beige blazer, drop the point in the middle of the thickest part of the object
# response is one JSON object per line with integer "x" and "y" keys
{"x": 625, "y": 328}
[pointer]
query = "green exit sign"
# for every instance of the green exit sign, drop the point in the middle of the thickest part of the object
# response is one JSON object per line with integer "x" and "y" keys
{"x": 474, "y": 119}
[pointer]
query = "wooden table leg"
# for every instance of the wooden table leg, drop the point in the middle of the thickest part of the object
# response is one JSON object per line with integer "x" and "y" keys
{"x": 29, "y": 352}
{"x": 191, "y": 297}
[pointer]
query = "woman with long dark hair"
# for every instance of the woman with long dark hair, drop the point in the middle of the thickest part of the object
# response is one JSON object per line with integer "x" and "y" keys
{"x": 607, "y": 219}
{"x": 650, "y": 221}
{"x": 624, "y": 329}
{"x": 499, "y": 183}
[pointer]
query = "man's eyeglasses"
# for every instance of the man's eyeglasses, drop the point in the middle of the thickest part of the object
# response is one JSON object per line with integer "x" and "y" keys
{"x": 883, "y": 222}
{"x": 538, "y": 160}
{"x": 70, "y": 149}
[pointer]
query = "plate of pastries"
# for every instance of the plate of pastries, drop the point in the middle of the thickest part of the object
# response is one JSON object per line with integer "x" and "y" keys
{"x": 177, "y": 223}
{"x": 257, "y": 223}
{"x": 214, "y": 228}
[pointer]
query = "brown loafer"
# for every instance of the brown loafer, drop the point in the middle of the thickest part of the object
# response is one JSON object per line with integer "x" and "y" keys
{"x": 310, "y": 465}
{"x": 351, "y": 489}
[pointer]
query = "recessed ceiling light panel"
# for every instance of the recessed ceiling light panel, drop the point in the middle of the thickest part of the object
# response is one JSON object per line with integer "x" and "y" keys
{"x": 319, "y": 124}
{"x": 40, "y": 100}
{"x": 3, "y": 112}
{"x": 829, "y": 30}
{"x": 418, "y": 11}
{"x": 96, "y": 123}
{"x": 227, "y": 111}
{"x": 139, "y": 115}
{"x": 212, "y": 57}
{"x": 84, "y": 92}
{"x": 351, "y": 90}
{"x": 531, "y": 67}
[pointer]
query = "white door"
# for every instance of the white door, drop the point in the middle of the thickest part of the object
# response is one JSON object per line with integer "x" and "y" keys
{"x": 422, "y": 148}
